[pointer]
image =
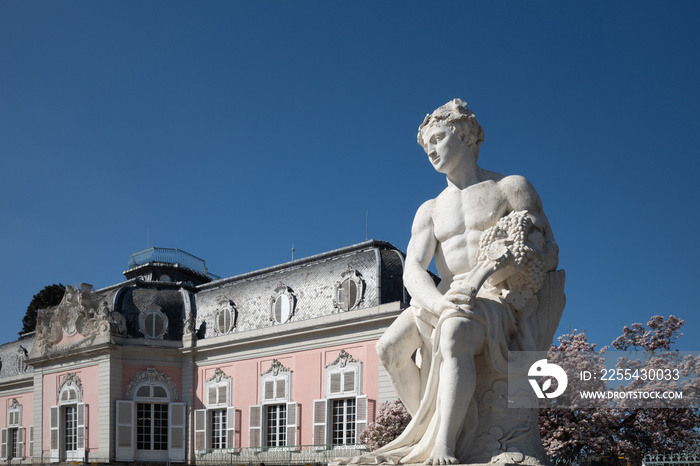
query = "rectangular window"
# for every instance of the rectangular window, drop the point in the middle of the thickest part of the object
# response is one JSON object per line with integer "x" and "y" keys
{"x": 14, "y": 442}
{"x": 71, "y": 424}
{"x": 218, "y": 428}
{"x": 151, "y": 426}
{"x": 343, "y": 422}
{"x": 276, "y": 425}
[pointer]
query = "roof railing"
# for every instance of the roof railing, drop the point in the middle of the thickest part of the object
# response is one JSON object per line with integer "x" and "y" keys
{"x": 171, "y": 256}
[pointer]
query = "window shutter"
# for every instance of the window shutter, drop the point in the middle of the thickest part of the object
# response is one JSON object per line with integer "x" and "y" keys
{"x": 320, "y": 420}
{"x": 54, "y": 432}
{"x": 81, "y": 429}
{"x": 269, "y": 390}
{"x": 126, "y": 434}
{"x": 255, "y": 426}
{"x": 18, "y": 416}
{"x": 222, "y": 321}
{"x": 223, "y": 394}
{"x": 3, "y": 444}
{"x": 149, "y": 324}
{"x": 176, "y": 432}
{"x": 211, "y": 399}
{"x": 200, "y": 429}
{"x": 335, "y": 381}
{"x": 349, "y": 381}
{"x": 361, "y": 418}
{"x": 20, "y": 442}
{"x": 352, "y": 294}
{"x": 278, "y": 309}
{"x": 231, "y": 427}
{"x": 30, "y": 453}
{"x": 292, "y": 411}
{"x": 281, "y": 389}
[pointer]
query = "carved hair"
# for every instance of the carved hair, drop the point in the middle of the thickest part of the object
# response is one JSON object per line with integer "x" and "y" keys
{"x": 460, "y": 120}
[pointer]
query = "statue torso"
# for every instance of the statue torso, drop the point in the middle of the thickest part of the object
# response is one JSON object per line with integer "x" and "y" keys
{"x": 459, "y": 217}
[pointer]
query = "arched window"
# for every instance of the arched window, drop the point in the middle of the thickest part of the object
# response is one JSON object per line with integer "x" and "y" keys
{"x": 150, "y": 424}
{"x": 68, "y": 421}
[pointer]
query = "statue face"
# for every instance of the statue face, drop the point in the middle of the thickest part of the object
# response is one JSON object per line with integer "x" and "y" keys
{"x": 444, "y": 148}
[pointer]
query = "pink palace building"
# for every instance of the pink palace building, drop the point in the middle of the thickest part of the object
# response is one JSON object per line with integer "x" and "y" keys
{"x": 177, "y": 365}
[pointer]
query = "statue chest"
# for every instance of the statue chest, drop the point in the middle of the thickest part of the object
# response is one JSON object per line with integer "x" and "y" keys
{"x": 469, "y": 211}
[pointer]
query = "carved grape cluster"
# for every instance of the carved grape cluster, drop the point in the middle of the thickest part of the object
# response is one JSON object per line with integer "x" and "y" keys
{"x": 519, "y": 244}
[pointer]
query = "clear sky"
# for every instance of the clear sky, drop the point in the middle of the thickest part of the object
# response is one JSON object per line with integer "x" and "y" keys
{"x": 237, "y": 129}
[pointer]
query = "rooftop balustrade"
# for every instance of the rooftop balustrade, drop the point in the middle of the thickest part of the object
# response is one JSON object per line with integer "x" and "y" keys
{"x": 171, "y": 256}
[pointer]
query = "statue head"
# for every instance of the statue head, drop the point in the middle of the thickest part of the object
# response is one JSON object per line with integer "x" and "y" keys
{"x": 460, "y": 120}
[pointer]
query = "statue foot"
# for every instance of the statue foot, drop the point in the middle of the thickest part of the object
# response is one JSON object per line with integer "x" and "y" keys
{"x": 441, "y": 454}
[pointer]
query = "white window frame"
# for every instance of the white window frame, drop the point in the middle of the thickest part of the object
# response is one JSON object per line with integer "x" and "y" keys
{"x": 275, "y": 389}
{"x": 150, "y": 387}
{"x": 217, "y": 398}
{"x": 343, "y": 380}
{"x": 70, "y": 395}
{"x": 13, "y": 437}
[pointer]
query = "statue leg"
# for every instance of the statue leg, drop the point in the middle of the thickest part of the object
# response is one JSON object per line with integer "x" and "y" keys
{"x": 395, "y": 349}
{"x": 460, "y": 341}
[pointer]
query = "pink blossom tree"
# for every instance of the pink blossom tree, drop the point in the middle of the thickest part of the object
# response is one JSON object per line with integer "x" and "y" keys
{"x": 392, "y": 419}
{"x": 628, "y": 428}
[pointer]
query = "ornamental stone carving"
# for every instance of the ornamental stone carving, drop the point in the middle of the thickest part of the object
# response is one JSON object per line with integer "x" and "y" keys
{"x": 152, "y": 376}
{"x": 72, "y": 381}
{"x": 21, "y": 360}
{"x": 218, "y": 377}
{"x": 342, "y": 360}
{"x": 275, "y": 368}
{"x": 80, "y": 312}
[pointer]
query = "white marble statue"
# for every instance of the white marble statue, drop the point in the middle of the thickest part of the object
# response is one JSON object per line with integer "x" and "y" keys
{"x": 493, "y": 249}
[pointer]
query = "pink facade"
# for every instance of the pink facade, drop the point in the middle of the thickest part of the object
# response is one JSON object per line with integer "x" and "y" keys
{"x": 308, "y": 382}
{"x": 89, "y": 377}
{"x": 174, "y": 365}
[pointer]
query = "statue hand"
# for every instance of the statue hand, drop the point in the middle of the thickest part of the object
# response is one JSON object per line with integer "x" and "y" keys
{"x": 461, "y": 294}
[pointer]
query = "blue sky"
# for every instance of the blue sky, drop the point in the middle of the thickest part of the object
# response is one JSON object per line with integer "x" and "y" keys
{"x": 234, "y": 130}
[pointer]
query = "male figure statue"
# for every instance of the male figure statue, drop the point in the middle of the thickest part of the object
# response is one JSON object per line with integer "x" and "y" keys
{"x": 492, "y": 246}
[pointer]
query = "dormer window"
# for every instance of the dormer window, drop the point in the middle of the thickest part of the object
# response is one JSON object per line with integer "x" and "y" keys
{"x": 349, "y": 290}
{"x": 282, "y": 304}
{"x": 153, "y": 323}
{"x": 226, "y": 314}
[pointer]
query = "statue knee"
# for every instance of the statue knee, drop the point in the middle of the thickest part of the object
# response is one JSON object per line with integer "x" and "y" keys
{"x": 461, "y": 336}
{"x": 384, "y": 352}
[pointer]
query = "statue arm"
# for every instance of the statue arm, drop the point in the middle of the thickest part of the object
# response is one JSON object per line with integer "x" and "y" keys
{"x": 521, "y": 195}
{"x": 421, "y": 249}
